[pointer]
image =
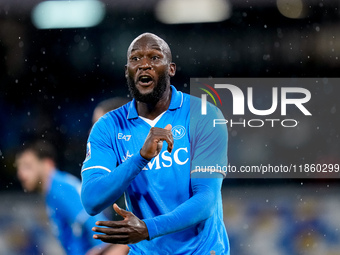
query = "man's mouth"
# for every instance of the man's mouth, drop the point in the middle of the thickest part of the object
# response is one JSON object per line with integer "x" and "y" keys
{"x": 145, "y": 80}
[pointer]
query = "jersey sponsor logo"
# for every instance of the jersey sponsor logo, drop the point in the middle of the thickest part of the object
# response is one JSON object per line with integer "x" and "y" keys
{"x": 124, "y": 137}
{"x": 178, "y": 132}
{"x": 88, "y": 151}
{"x": 127, "y": 156}
{"x": 165, "y": 159}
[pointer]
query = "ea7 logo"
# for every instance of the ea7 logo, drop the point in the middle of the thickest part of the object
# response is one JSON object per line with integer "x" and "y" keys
{"x": 124, "y": 137}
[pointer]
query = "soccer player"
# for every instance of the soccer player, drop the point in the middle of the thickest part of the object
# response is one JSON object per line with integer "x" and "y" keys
{"x": 107, "y": 106}
{"x": 102, "y": 108}
{"x": 36, "y": 170}
{"x": 171, "y": 207}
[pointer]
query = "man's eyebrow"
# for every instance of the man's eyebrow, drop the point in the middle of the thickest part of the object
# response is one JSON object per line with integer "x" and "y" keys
{"x": 156, "y": 47}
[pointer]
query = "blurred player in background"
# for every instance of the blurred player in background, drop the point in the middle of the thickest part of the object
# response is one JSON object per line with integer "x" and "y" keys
{"x": 172, "y": 208}
{"x": 101, "y": 109}
{"x": 36, "y": 170}
{"x": 106, "y": 106}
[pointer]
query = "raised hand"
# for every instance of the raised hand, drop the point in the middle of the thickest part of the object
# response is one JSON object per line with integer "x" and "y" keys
{"x": 154, "y": 141}
{"x": 127, "y": 231}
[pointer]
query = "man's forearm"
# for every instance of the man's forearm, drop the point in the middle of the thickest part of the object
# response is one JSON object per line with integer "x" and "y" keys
{"x": 101, "y": 188}
{"x": 196, "y": 209}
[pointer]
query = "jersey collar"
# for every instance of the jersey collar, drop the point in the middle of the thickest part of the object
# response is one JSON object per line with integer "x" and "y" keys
{"x": 176, "y": 102}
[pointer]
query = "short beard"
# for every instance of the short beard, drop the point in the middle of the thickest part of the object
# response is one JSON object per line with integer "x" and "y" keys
{"x": 150, "y": 98}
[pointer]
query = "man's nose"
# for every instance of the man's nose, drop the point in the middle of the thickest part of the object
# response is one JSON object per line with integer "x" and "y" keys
{"x": 145, "y": 64}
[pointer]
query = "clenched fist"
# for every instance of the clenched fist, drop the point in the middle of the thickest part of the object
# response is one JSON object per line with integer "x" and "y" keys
{"x": 154, "y": 142}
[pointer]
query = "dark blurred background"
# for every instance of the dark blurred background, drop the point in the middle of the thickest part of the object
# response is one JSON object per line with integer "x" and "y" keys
{"x": 51, "y": 78}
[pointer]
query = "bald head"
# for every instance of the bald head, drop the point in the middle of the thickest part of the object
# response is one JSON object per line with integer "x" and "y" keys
{"x": 149, "y": 68}
{"x": 152, "y": 41}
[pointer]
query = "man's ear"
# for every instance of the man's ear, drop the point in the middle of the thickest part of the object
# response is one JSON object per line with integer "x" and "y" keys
{"x": 48, "y": 163}
{"x": 172, "y": 69}
{"x": 126, "y": 71}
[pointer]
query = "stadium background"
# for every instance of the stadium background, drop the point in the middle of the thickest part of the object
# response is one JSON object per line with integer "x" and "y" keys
{"x": 51, "y": 80}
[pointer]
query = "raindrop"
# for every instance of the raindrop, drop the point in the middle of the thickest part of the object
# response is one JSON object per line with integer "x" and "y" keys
{"x": 333, "y": 110}
{"x": 266, "y": 57}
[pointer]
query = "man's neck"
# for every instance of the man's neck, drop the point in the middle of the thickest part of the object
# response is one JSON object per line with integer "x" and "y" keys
{"x": 151, "y": 111}
{"x": 46, "y": 180}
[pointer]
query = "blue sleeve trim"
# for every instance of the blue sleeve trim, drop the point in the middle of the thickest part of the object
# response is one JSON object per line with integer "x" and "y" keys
{"x": 139, "y": 161}
{"x": 152, "y": 228}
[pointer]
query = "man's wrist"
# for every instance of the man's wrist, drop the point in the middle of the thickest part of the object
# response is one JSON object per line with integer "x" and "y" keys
{"x": 151, "y": 227}
{"x": 143, "y": 156}
{"x": 138, "y": 160}
{"x": 146, "y": 232}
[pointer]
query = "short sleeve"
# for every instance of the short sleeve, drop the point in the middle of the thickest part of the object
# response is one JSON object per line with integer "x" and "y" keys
{"x": 209, "y": 143}
{"x": 99, "y": 152}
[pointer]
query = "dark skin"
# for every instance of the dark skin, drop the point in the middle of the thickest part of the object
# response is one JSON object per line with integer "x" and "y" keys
{"x": 148, "y": 55}
{"x": 127, "y": 231}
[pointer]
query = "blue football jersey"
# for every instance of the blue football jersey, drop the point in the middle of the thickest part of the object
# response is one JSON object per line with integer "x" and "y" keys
{"x": 70, "y": 223}
{"x": 165, "y": 181}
